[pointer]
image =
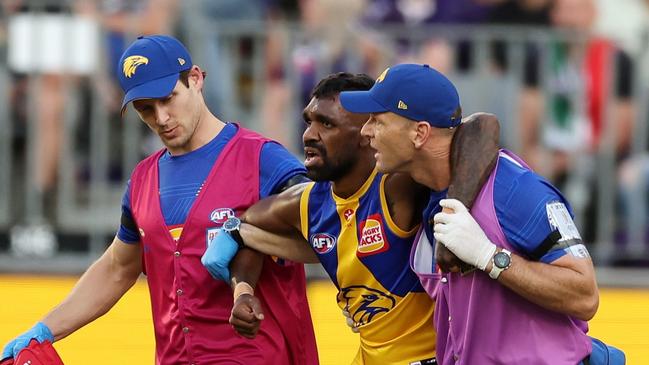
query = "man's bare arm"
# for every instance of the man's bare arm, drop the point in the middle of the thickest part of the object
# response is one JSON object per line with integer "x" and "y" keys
{"x": 288, "y": 246}
{"x": 273, "y": 226}
{"x": 567, "y": 285}
{"x": 99, "y": 288}
{"x": 279, "y": 219}
{"x": 474, "y": 153}
{"x": 278, "y": 213}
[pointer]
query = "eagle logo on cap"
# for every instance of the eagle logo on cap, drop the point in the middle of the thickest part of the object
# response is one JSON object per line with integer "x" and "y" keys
{"x": 382, "y": 75}
{"x": 131, "y": 63}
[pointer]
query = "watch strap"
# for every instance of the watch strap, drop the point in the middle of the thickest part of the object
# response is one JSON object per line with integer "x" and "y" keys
{"x": 235, "y": 232}
{"x": 495, "y": 271}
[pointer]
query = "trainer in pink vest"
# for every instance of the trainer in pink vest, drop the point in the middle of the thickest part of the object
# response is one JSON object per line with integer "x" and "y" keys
{"x": 190, "y": 308}
{"x": 480, "y": 321}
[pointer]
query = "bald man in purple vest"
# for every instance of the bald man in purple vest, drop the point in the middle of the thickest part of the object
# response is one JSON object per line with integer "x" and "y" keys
{"x": 534, "y": 287}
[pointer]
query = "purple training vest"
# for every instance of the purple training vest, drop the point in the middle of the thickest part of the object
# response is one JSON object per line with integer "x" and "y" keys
{"x": 480, "y": 321}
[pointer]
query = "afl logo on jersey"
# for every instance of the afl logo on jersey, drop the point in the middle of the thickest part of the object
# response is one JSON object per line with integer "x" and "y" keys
{"x": 372, "y": 239}
{"x": 220, "y": 215}
{"x": 323, "y": 243}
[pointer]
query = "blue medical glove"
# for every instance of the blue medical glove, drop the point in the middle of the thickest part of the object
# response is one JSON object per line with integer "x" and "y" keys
{"x": 218, "y": 255}
{"x": 40, "y": 332}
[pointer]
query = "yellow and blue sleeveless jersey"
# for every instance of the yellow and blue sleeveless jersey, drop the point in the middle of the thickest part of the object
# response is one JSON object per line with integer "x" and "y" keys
{"x": 366, "y": 256}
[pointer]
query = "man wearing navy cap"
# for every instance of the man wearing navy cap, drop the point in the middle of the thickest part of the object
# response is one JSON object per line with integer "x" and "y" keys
{"x": 176, "y": 201}
{"x": 535, "y": 287}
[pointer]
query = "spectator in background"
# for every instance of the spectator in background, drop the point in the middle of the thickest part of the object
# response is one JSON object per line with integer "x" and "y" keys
{"x": 518, "y": 71}
{"x": 631, "y": 234}
{"x": 52, "y": 48}
{"x": 245, "y": 29}
{"x": 68, "y": 32}
{"x": 38, "y": 33}
{"x": 578, "y": 84}
{"x": 294, "y": 64}
{"x": 587, "y": 86}
{"x": 324, "y": 45}
{"x": 521, "y": 13}
{"x": 226, "y": 46}
{"x": 435, "y": 51}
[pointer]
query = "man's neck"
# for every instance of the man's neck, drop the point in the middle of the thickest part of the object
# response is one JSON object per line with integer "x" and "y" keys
{"x": 208, "y": 128}
{"x": 432, "y": 168}
{"x": 353, "y": 181}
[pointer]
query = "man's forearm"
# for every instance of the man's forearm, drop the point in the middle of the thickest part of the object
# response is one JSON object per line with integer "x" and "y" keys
{"x": 558, "y": 287}
{"x": 474, "y": 152}
{"x": 100, "y": 287}
{"x": 473, "y": 155}
{"x": 279, "y": 214}
{"x": 291, "y": 247}
{"x": 246, "y": 267}
{"x": 272, "y": 226}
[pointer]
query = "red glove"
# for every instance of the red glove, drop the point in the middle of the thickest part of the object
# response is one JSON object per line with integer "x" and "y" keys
{"x": 36, "y": 354}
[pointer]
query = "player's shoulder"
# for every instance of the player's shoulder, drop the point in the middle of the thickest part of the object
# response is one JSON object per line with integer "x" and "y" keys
{"x": 511, "y": 175}
{"x": 246, "y": 134}
{"x": 320, "y": 189}
{"x": 279, "y": 161}
{"x": 522, "y": 190}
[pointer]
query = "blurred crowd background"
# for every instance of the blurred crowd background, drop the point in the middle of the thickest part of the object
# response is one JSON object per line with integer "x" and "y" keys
{"x": 568, "y": 79}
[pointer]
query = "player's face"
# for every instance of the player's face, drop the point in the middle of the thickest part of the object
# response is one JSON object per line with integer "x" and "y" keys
{"x": 390, "y": 135}
{"x": 331, "y": 140}
{"x": 173, "y": 118}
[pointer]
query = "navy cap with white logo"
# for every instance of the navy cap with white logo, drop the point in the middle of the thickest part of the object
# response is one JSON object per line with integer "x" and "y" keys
{"x": 417, "y": 92}
{"x": 150, "y": 66}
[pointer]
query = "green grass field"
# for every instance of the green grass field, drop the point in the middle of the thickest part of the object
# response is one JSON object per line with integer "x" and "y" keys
{"x": 125, "y": 335}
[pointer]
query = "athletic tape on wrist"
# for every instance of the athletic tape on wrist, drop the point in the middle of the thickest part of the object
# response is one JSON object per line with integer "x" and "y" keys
{"x": 242, "y": 288}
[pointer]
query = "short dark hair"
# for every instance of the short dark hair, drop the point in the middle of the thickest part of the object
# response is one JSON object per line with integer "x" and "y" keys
{"x": 184, "y": 77}
{"x": 341, "y": 81}
{"x": 457, "y": 114}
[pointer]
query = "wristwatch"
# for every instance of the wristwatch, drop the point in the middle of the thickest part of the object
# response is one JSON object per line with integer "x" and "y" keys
{"x": 232, "y": 226}
{"x": 500, "y": 262}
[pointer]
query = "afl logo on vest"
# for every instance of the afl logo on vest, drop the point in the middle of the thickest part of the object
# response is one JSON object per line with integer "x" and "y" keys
{"x": 323, "y": 243}
{"x": 220, "y": 215}
{"x": 372, "y": 238}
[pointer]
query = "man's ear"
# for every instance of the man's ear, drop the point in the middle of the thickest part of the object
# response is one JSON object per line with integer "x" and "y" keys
{"x": 421, "y": 133}
{"x": 196, "y": 77}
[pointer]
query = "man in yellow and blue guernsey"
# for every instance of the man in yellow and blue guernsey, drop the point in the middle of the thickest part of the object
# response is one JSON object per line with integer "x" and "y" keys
{"x": 359, "y": 224}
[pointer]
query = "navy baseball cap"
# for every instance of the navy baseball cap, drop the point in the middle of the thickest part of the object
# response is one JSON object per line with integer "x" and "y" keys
{"x": 417, "y": 92}
{"x": 150, "y": 66}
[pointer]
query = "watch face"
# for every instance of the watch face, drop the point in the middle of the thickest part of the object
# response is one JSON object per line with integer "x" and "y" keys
{"x": 231, "y": 224}
{"x": 502, "y": 260}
